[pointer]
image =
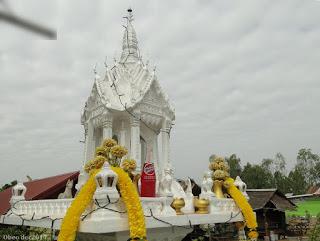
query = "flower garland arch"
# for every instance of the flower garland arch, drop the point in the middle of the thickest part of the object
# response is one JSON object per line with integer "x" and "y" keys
{"x": 111, "y": 152}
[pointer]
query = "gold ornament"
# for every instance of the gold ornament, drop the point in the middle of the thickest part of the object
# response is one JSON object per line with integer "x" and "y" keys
{"x": 177, "y": 204}
{"x": 202, "y": 205}
{"x": 217, "y": 188}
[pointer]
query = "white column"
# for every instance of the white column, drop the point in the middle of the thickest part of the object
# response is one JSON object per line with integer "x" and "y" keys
{"x": 166, "y": 126}
{"x": 157, "y": 164}
{"x": 135, "y": 148}
{"x": 122, "y": 138}
{"x": 89, "y": 141}
{"x": 155, "y": 150}
{"x": 107, "y": 127}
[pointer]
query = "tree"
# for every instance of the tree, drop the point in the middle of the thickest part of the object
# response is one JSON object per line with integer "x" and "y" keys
{"x": 235, "y": 166}
{"x": 315, "y": 173}
{"x": 256, "y": 176}
{"x": 306, "y": 157}
{"x": 308, "y": 164}
{"x": 297, "y": 180}
{"x": 280, "y": 163}
{"x": 282, "y": 182}
{"x": 268, "y": 164}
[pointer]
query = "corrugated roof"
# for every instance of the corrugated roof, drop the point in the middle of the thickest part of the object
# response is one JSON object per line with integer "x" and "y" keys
{"x": 45, "y": 188}
{"x": 260, "y": 198}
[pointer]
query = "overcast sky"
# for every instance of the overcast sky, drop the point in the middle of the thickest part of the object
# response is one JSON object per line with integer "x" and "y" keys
{"x": 243, "y": 77}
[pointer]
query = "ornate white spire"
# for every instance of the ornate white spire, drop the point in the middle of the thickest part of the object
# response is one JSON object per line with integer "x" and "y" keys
{"x": 129, "y": 43}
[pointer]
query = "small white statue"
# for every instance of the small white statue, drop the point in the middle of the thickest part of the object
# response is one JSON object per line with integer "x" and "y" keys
{"x": 82, "y": 178}
{"x": 68, "y": 191}
{"x": 241, "y": 186}
{"x": 177, "y": 190}
{"x": 189, "y": 206}
{"x": 166, "y": 183}
{"x": 189, "y": 188}
{"x": 206, "y": 186}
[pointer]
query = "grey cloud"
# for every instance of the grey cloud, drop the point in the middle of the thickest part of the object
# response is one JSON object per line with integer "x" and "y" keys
{"x": 242, "y": 75}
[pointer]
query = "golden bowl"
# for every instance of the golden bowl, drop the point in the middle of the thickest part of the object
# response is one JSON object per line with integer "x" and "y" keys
{"x": 202, "y": 205}
{"x": 177, "y": 204}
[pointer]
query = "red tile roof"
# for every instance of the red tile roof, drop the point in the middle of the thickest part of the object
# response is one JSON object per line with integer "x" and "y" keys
{"x": 45, "y": 188}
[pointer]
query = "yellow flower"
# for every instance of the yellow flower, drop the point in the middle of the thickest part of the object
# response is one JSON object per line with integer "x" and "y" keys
{"x": 253, "y": 234}
{"x": 89, "y": 166}
{"x": 219, "y": 174}
{"x": 129, "y": 165}
{"x": 118, "y": 151}
{"x": 109, "y": 143}
{"x": 101, "y": 151}
{"x": 98, "y": 161}
{"x": 131, "y": 199}
{"x": 70, "y": 222}
{"x": 218, "y": 163}
{"x": 129, "y": 196}
{"x": 244, "y": 206}
{"x": 218, "y": 159}
{"x": 86, "y": 168}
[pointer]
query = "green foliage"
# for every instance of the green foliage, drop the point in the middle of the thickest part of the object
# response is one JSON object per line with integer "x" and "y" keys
{"x": 282, "y": 182}
{"x": 312, "y": 206}
{"x": 305, "y": 156}
{"x": 271, "y": 173}
{"x": 280, "y": 163}
{"x": 309, "y": 163}
{"x": 267, "y": 164}
{"x": 315, "y": 173}
{"x": 257, "y": 177}
{"x": 314, "y": 234}
{"x": 11, "y": 232}
{"x": 234, "y": 164}
{"x": 297, "y": 181}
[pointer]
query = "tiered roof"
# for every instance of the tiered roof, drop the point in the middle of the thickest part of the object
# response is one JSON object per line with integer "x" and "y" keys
{"x": 129, "y": 80}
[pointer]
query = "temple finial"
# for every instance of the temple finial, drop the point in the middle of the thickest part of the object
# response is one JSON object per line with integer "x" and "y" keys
{"x": 130, "y": 15}
{"x": 105, "y": 62}
{"x": 96, "y": 76}
{"x": 95, "y": 68}
{"x": 130, "y": 53}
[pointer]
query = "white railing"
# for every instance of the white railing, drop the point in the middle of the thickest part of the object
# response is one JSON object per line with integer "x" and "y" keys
{"x": 42, "y": 208}
{"x": 225, "y": 205}
{"x": 56, "y": 208}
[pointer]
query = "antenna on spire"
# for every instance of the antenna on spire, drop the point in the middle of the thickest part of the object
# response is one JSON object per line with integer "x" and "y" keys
{"x": 96, "y": 76}
{"x": 105, "y": 62}
{"x": 95, "y": 68}
{"x": 130, "y": 15}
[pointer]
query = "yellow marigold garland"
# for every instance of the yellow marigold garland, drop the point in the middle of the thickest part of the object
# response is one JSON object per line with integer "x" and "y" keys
{"x": 128, "y": 192}
{"x": 70, "y": 222}
{"x": 131, "y": 199}
{"x": 129, "y": 196}
{"x": 244, "y": 206}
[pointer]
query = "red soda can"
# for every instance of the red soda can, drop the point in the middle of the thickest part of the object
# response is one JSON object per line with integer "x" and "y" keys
{"x": 148, "y": 180}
